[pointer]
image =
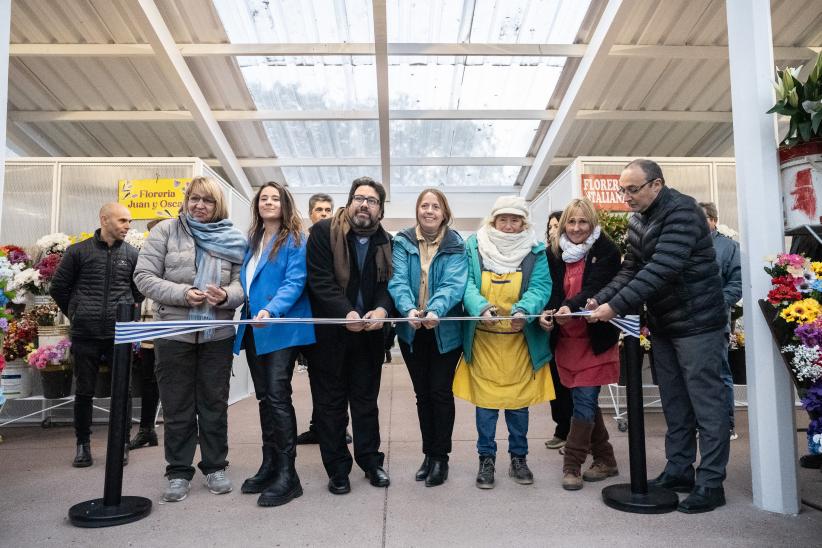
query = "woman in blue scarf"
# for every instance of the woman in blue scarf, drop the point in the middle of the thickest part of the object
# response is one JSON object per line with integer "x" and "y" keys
{"x": 190, "y": 268}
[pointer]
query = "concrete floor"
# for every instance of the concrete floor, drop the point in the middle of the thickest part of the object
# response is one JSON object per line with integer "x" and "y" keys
{"x": 38, "y": 485}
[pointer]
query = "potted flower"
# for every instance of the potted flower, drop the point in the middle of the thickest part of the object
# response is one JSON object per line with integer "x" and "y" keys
{"x": 800, "y": 152}
{"x": 54, "y": 363}
{"x": 794, "y": 313}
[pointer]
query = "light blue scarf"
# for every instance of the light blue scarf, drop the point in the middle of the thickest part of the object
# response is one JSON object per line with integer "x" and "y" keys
{"x": 213, "y": 243}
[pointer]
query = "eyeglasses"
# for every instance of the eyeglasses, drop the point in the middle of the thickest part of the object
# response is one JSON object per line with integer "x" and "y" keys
{"x": 370, "y": 200}
{"x": 631, "y": 190}
{"x": 198, "y": 199}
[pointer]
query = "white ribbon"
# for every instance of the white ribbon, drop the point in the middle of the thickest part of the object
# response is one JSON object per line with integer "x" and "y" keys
{"x": 129, "y": 332}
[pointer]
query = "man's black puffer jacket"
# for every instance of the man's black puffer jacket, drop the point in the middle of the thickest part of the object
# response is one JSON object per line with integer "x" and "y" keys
{"x": 89, "y": 283}
{"x": 671, "y": 266}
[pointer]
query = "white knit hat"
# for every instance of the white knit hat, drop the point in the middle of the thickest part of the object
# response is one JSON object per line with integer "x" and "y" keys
{"x": 512, "y": 205}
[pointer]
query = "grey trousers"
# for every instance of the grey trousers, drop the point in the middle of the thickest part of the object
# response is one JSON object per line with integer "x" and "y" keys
{"x": 194, "y": 381}
{"x": 693, "y": 398}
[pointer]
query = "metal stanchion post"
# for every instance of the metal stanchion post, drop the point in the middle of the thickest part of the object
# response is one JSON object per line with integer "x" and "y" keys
{"x": 113, "y": 508}
{"x": 637, "y": 497}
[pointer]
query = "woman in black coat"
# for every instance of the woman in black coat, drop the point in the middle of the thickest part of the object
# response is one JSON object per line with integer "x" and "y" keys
{"x": 583, "y": 260}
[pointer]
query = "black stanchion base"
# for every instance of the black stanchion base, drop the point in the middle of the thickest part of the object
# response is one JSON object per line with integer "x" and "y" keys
{"x": 93, "y": 513}
{"x": 656, "y": 501}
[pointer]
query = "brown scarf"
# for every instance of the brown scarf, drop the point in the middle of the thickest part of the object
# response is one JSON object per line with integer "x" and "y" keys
{"x": 340, "y": 225}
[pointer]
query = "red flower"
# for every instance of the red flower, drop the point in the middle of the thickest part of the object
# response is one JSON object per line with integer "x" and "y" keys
{"x": 48, "y": 266}
{"x": 786, "y": 280}
{"x": 783, "y": 293}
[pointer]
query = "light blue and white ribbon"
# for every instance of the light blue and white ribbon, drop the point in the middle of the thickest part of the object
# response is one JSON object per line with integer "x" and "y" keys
{"x": 129, "y": 332}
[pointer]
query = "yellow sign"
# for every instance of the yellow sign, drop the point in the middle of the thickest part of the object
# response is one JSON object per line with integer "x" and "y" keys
{"x": 152, "y": 198}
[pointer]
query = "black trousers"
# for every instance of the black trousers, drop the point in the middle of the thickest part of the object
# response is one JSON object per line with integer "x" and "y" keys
{"x": 193, "y": 379}
{"x": 345, "y": 370}
{"x": 432, "y": 375}
{"x": 148, "y": 388}
{"x": 562, "y": 406}
{"x": 88, "y": 356}
{"x": 271, "y": 374}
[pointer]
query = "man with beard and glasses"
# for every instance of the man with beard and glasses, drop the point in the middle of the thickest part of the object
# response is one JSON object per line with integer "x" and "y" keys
{"x": 349, "y": 265}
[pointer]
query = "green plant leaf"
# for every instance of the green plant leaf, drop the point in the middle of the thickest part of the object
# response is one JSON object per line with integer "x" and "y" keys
{"x": 805, "y": 130}
{"x": 816, "y": 120}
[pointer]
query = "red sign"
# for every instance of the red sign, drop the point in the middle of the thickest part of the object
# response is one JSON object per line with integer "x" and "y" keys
{"x": 602, "y": 190}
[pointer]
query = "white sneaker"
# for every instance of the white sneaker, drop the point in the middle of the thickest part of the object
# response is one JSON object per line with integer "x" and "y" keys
{"x": 218, "y": 483}
{"x": 734, "y": 435}
{"x": 177, "y": 490}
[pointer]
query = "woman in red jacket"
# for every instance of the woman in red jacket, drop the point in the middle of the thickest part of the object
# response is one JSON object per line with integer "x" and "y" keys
{"x": 582, "y": 261}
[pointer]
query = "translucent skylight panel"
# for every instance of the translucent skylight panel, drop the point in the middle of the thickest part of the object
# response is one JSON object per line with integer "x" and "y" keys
{"x": 310, "y": 83}
{"x": 296, "y": 21}
{"x": 328, "y": 176}
{"x": 461, "y": 138}
{"x": 526, "y": 83}
{"x": 453, "y": 176}
{"x": 485, "y": 21}
{"x": 324, "y": 139}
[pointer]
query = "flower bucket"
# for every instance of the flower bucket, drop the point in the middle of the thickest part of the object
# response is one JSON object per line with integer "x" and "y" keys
{"x": 801, "y": 182}
{"x": 16, "y": 380}
{"x": 56, "y": 381}
{"x": 51, "y": 334}
{"x": 102, "y": 389}
{"x": 736, "y": 359}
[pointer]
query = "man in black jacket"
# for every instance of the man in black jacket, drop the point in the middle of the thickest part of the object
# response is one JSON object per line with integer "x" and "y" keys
{"x": 671, "y": 267}
{"x": 349, "y": 265}
{"x": 93, "y": 277}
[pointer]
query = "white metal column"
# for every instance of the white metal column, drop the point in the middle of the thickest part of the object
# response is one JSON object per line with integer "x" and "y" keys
{"x": 770, "y": 393}
{"x": 5, "y": 37}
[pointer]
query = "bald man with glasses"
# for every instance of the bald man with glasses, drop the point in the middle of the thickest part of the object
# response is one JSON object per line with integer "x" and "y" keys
{"x": 671, "y": 268}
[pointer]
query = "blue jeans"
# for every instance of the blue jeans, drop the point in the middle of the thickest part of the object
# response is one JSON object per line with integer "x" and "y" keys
{"x": 728, "y": 380}
{"x": 517, "y": 422}
{"x": 586, "y": 402}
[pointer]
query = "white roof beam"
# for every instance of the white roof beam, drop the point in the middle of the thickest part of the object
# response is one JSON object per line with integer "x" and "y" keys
{"x": 590, "y": 67}
{"x": 381, "y": 66}
{"x": 292, "y": 115}
{"x": 180, "y": 77}
{"x": 484, "y": 50}
{"x": 372, "y": 161}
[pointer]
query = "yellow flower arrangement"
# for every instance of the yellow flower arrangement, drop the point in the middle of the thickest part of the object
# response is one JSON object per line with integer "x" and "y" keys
{"x": 82, "y": 236}
{"x": 801, "y": 312}
{"x": 816, "y": 266}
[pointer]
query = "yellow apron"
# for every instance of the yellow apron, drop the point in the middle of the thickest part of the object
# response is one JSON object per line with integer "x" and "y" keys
{"x": 501, "y": 375}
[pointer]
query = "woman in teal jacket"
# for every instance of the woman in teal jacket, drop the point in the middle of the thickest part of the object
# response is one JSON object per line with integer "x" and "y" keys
{"x": 430, "y": 272}
{"x": 503, "y": 361}
{"x": 273, "y": 276}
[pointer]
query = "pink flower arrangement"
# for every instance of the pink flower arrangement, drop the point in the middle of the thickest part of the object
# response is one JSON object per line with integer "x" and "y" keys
{"x": 52, "y": 354}
{"x": 48, "y": 266}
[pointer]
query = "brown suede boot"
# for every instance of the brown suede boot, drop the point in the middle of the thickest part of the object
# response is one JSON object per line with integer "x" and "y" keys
{"x": 576, "y": 451}
{"x": 604, "y": 465}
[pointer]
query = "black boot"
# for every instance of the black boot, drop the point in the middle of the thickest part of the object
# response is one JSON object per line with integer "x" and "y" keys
{"x": 125, "y": 454}
{"x": 287, "y": 485}
{"x": 144, "y": 437}
{"x": 83, "y": 457}
{"x": 425, "y": 467}
{"x": 264, "y": 476}
{"x": 438, "y": 473}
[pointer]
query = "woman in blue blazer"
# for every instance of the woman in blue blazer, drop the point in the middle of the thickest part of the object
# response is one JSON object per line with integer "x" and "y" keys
{"x": 273, "y": 278}
{"x": 430, "y": 273}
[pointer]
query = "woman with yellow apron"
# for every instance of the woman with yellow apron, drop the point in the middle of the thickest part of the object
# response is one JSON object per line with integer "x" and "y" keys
{"x": 502, "y": 363}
